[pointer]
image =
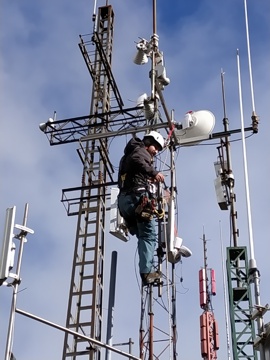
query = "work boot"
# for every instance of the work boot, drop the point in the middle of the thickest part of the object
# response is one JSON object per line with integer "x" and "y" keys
{"x": 150, "y": 278}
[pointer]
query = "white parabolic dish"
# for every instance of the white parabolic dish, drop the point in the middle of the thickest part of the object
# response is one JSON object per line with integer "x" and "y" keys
{"x": 196, "y": 126}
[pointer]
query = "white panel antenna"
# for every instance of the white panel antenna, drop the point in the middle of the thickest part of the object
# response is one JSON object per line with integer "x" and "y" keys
{"x": 161, "y": 71}
{"x": 140, "y": 100}
{"x": 220, "y": 188}
{"x": 148, "y": 104}
{"x": 161, "y": 75}
{"x": 176, "y": 249}
{"x": 117, "y": 223}
{"x": 8, "y": 247}
{"x": 143, "y": 52}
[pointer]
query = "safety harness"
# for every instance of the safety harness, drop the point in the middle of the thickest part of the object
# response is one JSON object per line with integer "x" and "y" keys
{"x": 147, "y": 207}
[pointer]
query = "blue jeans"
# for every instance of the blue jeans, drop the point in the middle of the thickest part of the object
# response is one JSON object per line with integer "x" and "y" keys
{"x": 144, "y": 230}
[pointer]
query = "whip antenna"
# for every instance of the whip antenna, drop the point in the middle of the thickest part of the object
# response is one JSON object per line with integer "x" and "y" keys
{"x": 223, "y": 93}
{"x": 245, "y": 162}
{"x": 254, "y": 117}
{"x": 254, "y": 274}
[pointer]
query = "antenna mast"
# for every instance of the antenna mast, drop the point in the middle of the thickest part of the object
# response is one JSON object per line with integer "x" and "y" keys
{"x": 254, "y": 117}
{"x": 237, "y": 260}
{"x": 226, "y": 168}
{"x": 158, "y": 81}
{"x": 208, "y": 324}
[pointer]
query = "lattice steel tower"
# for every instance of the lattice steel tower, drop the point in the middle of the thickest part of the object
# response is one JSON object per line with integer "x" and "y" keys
{"x": 84, "y": 311}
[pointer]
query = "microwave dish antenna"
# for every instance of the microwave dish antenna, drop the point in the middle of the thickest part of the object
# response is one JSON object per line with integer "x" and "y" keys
{"x": 195, "y": 127}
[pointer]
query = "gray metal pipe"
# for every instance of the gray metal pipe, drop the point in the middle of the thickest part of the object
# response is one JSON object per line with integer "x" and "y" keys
{"x": 111, "y": 304}
{"x": 74, "y": 333}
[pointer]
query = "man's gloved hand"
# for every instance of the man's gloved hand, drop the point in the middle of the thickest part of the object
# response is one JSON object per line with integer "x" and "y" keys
{"x": 159, "y": 177}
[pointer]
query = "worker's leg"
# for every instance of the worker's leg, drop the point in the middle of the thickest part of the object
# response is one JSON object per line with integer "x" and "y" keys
{"x": 146, "y": 245}
{"x": 127, "y": 204}
{"x": 143, "y": 229}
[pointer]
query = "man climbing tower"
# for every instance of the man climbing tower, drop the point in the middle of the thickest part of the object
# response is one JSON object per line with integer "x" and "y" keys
{"x": 136, "y": 201}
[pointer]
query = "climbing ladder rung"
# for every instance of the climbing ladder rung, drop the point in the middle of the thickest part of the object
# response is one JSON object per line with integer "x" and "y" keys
{"x": 83, "y": 292}
{"x": 92, "y": 234}
{"x": 86, "y": 307}
{"x": 89, "y": 262}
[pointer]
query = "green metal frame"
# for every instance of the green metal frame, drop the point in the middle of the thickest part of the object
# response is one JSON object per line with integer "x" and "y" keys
{"x": 242, "y": 327}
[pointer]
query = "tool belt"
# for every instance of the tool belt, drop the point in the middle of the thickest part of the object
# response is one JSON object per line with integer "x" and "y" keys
{"x": 147, "y": 208}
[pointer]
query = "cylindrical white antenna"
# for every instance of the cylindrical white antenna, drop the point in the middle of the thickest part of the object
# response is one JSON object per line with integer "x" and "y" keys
{"x": 22, "y": 238}
{"x": 245, "y": 164}
{"x": 94, "y": 17}
{"x": 253, "y": 271}
{"x": 249, "y": 59}
{"x": 111, "y": 302}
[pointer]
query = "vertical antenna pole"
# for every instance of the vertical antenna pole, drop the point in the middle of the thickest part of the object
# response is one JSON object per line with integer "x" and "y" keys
{"x": 230, "y": 179}
{"x": 111, "y": 304}
{"x": 254, "y": 117}
{"x": 94, "y": 17}
{"x": 15, "y": 286}
{"x": 162, "y": 236}
{"x": 204, "y": 253}
{"x": 245, "y": 164}
{"x": 154, "y": 17}
{"x": 206, "y": 272}
{"x": 253, "y": 271}
{"x": 130, "y": 342}
{"x": 174, "y": 332}
{"x": 208, "y": 324}
{"x": 223, "y": 94}
{"x": 171, "y": 215}
{"x": 151, "y": 324}
{"x": 155, "y": 48}
{"x": 142, "y": 332}
{"x": 249, "y": 58}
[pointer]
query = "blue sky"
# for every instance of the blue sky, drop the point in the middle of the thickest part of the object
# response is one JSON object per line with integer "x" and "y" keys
{"x": 42, "y": 71}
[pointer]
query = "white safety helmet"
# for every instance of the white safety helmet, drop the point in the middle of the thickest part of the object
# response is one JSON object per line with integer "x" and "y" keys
{"x": 157, "y": 137}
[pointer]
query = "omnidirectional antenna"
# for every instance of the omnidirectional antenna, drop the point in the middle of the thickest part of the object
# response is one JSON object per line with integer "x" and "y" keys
{"x": 222, "y": 73}
{"x": 254, "y": 117}
{"x": 245, "y": 163}
{"x": 253, "y": 270}
{"x": 94, "y": 16}
{"x": 224, "y": 166}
